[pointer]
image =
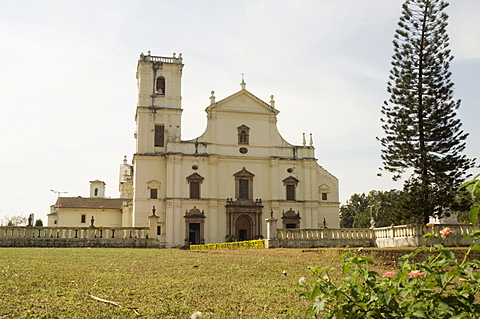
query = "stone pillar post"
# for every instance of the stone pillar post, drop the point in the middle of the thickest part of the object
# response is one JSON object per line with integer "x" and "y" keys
{"x": 392, "y": 231}
{"x": 90, "y": 232}
{"x": 153, "y": 222}
{"x": 272, "y": 240}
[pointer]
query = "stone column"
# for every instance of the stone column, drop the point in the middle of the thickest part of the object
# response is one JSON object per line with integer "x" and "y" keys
{"x": 91, "y": 229}
{"x": 178, "y": 224}
{"x": 272, "y": 240}
{"x": 169, "y": 223}
{"x": 153, "y": 222}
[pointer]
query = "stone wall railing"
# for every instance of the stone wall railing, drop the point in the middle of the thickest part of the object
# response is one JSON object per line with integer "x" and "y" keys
{"x": 152, "y": 58}
{"x": 323, "y": 233}
{"x": 133, "y": 237}
{"x": 400, "y": 236}
{"x": 30, "y": 236}
{"x": 392, "y": 236}
{"x": 74, "y": 232}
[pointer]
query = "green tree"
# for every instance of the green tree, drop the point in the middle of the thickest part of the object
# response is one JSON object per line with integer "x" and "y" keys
{"x": 354, "y": 206}
{"x": 38, "y": 223}
{"x": 381, "y": 205}
{"x": 422, "y": 132}
{"x": 16, "y": 220}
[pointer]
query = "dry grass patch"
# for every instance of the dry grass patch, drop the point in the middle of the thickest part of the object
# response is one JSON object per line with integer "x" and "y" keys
{"x": 168, "y": 283}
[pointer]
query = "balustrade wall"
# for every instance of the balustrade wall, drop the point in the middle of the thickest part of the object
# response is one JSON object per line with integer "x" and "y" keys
{"x": 392, "y": 236}
{"x": 77, "y": 237}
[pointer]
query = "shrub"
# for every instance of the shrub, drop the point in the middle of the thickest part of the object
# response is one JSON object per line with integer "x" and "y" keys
{"x": 250, "y": 244}
{"x": 441, "y": 286}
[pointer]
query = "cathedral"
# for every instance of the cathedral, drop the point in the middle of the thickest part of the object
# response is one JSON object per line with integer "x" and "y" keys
{"x": 222, "y": 185}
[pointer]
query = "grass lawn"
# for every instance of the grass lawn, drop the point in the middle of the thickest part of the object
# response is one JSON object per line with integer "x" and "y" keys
{"x": 165, "y": 283}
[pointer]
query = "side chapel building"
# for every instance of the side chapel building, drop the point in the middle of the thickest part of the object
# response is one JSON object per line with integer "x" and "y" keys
{"x": 223, "y": 184}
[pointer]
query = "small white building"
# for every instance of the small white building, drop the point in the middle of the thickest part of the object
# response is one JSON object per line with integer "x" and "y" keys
{"x": 96, "y": 210}
{"x": 223, "y": 184}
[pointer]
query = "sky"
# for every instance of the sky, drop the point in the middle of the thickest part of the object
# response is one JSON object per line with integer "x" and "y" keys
{"x": 68, "y": 88}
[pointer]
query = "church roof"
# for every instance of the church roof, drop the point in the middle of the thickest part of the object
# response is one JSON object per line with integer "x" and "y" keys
{"x": 91, "y": 202}
{"x": 262, "y": 105}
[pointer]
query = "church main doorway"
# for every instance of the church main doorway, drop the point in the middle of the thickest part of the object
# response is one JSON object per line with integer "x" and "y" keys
{"x": 244, "y": 219}
{"x": 194, "y": 227}
{"x": 194, "y": 233}
{"x": 243, "y": 228}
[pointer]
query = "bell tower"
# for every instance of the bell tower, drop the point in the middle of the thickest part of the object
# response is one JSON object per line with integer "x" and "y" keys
{"x": 97, "y": 188}
{"x": 158, "y": 115}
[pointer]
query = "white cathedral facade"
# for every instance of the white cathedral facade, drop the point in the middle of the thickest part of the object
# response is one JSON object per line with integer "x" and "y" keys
{"x": 223, "y": 184}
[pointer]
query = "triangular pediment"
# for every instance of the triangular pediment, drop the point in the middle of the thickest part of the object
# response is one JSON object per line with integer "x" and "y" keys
{"x": 242, "y": 101}
{"x": 153, "y": 183}
{"x": 243, "y": 173}
{"x": 324, "y": 188}
{"x": 290, "y": 180}
{"x": 195, "y": 177}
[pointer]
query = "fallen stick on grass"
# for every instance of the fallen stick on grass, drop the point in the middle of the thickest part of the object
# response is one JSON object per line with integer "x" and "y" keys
{"x": 116, "y": 304}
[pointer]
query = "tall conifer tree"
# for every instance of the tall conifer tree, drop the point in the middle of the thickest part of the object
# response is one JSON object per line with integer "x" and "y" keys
{"x": 423, "y": 135}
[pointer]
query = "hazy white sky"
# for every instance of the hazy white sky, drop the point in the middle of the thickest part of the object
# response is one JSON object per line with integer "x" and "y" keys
{"x": 68, "y": 87}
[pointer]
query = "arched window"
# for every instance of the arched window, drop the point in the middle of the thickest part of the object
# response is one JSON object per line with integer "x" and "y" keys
{"x": 160, "y": 85}
{"x": 95, "y": 192}
{"x": 243, "y": 135}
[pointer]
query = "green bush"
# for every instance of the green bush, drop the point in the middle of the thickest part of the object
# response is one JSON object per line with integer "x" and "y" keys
{"x": 439, "y": 287}
{"x": 250, "y": 244}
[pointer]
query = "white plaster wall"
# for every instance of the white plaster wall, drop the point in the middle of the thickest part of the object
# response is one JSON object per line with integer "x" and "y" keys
{"x": 71, "y": 217}
{"x": 216, "y": 154}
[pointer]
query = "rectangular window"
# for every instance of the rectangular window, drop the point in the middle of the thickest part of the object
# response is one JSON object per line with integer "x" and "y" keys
{"x": 194, "y": 189}
{"x": 291, "y": 226}
{"x": 153, "y": 193}
{"x": 159, "y": 135}
{"x": 159, "y": 230}
{"x": 290, "y": 192}
{"x": 243, "y": 189}
{"x": 83, "y": 219}
{"x": 324, "y": 196}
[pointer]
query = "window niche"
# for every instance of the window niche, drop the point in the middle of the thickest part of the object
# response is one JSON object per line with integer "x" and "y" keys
{"x": 159, "y": 136}
{"x": 290, "y": 219}
{"x": 243, "y": 135}
{"x": 194, "y": 180}
{"x": 153, "y": 193}
{"x": 324, "y": 190}
{"x": 153, "y": 187}
{"x": 160, "y": 85}
{"x": 244, "y": 184}
{"x": 291, "y": 188}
